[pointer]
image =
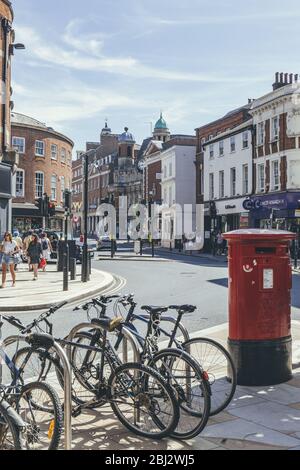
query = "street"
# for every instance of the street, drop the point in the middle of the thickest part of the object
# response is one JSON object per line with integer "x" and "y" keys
{"x": 171, "y": 279}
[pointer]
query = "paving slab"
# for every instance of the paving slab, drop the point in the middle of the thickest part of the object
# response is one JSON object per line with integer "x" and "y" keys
{"x": 48, "y": 289}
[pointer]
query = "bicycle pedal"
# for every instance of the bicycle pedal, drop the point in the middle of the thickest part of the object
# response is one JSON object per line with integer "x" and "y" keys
{"x": 76, "y": 412}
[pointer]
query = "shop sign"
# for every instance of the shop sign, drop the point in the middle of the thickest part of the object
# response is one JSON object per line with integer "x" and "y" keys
{"x": 230, "y": 207}
{"x": 297, "y": 213}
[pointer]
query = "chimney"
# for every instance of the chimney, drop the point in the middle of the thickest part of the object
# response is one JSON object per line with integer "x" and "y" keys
{"x": 283, "y": 79}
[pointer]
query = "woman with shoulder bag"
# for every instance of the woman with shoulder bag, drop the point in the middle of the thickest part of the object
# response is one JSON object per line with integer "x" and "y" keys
{"x": 35, "y": 253}
{"x": 9, "y": 251}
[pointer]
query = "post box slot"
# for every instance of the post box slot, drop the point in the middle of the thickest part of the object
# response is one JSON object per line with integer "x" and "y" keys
{"x": 265, "y": 249}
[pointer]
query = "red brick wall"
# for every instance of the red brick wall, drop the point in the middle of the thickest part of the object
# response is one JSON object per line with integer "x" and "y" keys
{"x": 152, "y": 171}
{"x": 31, "y": 164}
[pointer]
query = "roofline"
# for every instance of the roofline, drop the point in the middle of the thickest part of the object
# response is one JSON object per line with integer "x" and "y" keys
{"x": 232, "y": 113}
{"x": 44, "y": 129}
{"x": 234, "y": 131}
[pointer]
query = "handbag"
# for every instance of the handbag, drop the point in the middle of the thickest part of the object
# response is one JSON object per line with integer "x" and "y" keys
{"x": 43, "y": 263}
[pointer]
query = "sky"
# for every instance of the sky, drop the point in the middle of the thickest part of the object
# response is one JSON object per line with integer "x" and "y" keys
{"x": 127, "y": 60}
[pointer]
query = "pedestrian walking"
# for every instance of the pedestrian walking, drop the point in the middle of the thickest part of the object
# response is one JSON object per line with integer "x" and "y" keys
{"x": 220, "y": 242}
{"x": 26, "y": 243}
{"x": 46, "y": 249}
{"x": 35, "y": 253}
{"x": 9, "y": 250}
{"x": 19, "y": 242}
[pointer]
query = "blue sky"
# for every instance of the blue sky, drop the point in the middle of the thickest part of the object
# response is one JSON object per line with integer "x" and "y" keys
{"x": 128, "y": 59}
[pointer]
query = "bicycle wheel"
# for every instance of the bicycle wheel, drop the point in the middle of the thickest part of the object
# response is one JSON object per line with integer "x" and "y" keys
{"x": 10, "y": 432}
{"x": 192, "y": 389}
{"x": 39, "y": 406}
{"x": 217, "y": 362}
{"x": 38, "y": 366}
{"x": 143, "y": 402}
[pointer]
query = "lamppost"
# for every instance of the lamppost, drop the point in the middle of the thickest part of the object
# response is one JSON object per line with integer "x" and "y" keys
{"x": 85, "y": 274}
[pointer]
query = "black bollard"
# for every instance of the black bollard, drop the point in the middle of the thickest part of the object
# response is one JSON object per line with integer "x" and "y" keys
{"x": 152, "y": 244}
{"x": 73, "y": 268}
{"x": 66, "y": 268}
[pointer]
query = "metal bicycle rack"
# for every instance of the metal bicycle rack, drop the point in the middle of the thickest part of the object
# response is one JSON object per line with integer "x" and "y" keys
{"x": 128, "y": 338}
{"x": 67, "y": 385}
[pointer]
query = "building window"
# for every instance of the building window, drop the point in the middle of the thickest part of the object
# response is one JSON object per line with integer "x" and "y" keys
{"x": 245, "y": 140}
{"x": 275, "y": 129}
{"x": 261, "y": 133}
{"x": 170, "y": 169}
{"x": 211, "y": 186}
{"x": 232, "y": 144}
{"x": 39, "y": 148}
{"x": 261, "y": 177}
{"x": 63, "y": 155}
{"x": 18, "y": 144}
{"x": 275, "y": 175}
{"x": 53, "y": 187}
{"x": 39, "y": 185}
{"x": 221, "y": 184}
{"x": 62, "y": 187}
{"x": 165, "y": 171}
{"x": 69, "y": 157}
{"x": 202, "y": 143}
{"x": 53, "y": 152}
{"x": 245, "y": 179}
{"x": 233, "y": 181}
{"x": 129, "y": 151}
{"x": 221, "y": 148}
{"x": 211, "y": 151}
{"x": 20, "y": 183}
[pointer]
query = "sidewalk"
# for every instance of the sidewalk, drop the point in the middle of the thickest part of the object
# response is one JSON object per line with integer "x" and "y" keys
{"x": 259, "y": 418}
{"x": 29, "y": 295}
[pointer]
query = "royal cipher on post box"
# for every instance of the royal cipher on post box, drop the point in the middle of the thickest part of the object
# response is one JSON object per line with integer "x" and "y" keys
{"x": 260, "y": 282}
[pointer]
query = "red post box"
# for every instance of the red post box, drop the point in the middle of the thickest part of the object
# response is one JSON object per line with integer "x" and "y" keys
{"x": 260, "y": 282}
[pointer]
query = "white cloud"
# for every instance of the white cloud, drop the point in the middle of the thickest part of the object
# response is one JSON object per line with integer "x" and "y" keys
{"x": 86, "y": 54}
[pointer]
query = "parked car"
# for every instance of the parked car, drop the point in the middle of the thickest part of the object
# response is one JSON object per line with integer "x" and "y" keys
{"x": 104, "y": 242}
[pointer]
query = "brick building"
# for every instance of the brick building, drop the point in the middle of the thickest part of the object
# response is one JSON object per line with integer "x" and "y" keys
{"x": 276, "y": 119}
{"x": 113, "y": 172}
{"x": 8, "y": 158}
{"x": 45, "y": 166}
{"x": 204, "y": 134}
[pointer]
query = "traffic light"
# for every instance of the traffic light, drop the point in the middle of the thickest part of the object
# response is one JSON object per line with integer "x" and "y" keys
{"x": 51, "y": 210}
{"x": 68, "y": 199}
{"x": 213, "y": 209}
{"x": 39, "y": 203}
{"x": 46, "y": 201}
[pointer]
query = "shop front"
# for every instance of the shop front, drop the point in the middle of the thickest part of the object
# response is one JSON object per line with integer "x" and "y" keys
{"x": 228, "y": 215}
{"x": 278, "y": 211}
{"x": 26, "y": 217}
{"x": 5, "y": 198}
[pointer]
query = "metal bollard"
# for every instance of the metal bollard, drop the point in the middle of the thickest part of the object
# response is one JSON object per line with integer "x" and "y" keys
{"x": 152, "y": 243}
{"x": 141, "y": 247}
{"x": 66, "y": 268}
{"x": 73, "y": 268}
{"x": 90, "y": 265}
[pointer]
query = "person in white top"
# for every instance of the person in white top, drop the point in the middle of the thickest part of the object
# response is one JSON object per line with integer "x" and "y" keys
{"x": 9, "y": 249}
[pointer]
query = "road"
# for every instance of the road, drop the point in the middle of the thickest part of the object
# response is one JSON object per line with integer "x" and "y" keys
{"x": 175, "y": 280}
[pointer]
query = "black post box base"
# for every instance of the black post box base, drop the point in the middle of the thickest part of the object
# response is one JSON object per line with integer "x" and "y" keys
{"x": 262, "y": 362}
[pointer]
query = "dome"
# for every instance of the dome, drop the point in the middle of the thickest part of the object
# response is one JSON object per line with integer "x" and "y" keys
{"x": 126, "y": 136}
{"x": 161, "y": 123}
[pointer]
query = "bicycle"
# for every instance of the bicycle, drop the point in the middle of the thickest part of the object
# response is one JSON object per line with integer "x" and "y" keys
{"x": 12, "y": 428}
{"x": 139, "y": 396}
{"x": 176, "y": 366}
{"x": 210, "y": 354}
{"x": 37, "y": 404}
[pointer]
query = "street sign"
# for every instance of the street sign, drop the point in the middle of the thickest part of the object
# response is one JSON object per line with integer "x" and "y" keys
{"x": 75, "y": 219}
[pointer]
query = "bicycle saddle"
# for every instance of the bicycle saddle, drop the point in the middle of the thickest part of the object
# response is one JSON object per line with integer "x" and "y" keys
{"x": 108, "y": 324}
{"x": 183, "y": 308}
{"x": 154, "y": 310}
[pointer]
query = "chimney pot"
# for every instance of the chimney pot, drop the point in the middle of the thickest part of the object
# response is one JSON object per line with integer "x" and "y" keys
{"x": 281, "y": 77}
{"x": 286, "y": 80}
{"x": 276, "y": 77}
{"x": 291, "y": 78}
